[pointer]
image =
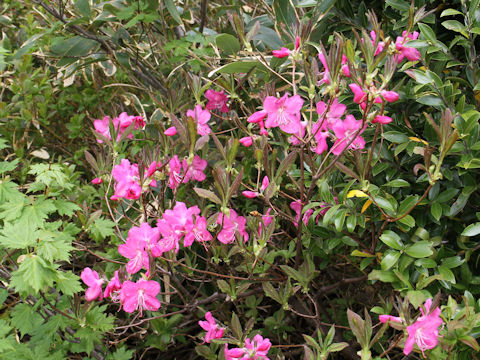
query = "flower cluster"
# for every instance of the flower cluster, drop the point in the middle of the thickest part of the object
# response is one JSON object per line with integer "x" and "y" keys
{"x": 255, "y": 349}
{"x": 231, "y": 224}
{"x": 211, "y": 327}
{"x": 140, "y": 295}
{"x": 120, "y": 124}
{"x": 423, "y": 332}
{"x": 183, "y": 171}
{"x": 127, "y": 179}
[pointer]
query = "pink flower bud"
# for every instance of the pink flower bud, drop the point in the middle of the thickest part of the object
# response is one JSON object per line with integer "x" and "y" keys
{"x": 250, "y": 194}
{"x": 97, "y": 181}
{"x": 297, "y": 43}
{"x": 384, "y": 318}
{"x": 382, "y": 119}
{"x": 359, "y": 94}
{"x": 265, "y": 183}
{"x": 246, "y": 141}
{"x": 283, "y": 52}
{"x": 257, "y": 116}
{"x": 390, "y": 96}
{"x": 171, "y": 131}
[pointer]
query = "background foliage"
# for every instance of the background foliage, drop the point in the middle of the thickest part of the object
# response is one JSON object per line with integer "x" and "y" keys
{"x": 410, "y": 231}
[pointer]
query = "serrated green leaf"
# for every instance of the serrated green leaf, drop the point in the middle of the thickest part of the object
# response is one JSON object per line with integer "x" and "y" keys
{"x": 102, "y": 228}
{"x": 19, "y": 235}
{"x": 65, "y": 207}
{"x": 21, "y": 312}
{"x": 32, "y": 275}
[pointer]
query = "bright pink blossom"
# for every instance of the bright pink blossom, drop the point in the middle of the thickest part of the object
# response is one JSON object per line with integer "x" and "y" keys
{"x": 384, "y": 318}
{"x": 134, "y": 249}
{"x": 255, "y": 349}
{"x": 266, "y": 220}
{"x": 345, "y": 132}
{"x": 246, "y": 141}
{"x": 230, "y": 225}
{"x": 250, "y": 194}
{"x": 335, "y": 112}
{"x": 92, "y": 280}
{"x": 171, "y": 131}
{"x": 410, "y": 53}
{"x": 257, "y": 116}
{"x": 97, "y": 181}
{"x": 382, "y": 119}
{"x": 195, "y": 170}
{"x": 326, "y": 73}
{"x": 201, "y": 117}
{"x": 211, "y": 327}
{"x": 359, "y": 95}
{"x": 147, "y": 236}
{"x": 390, "y": 96}
{"x": 283, "y": 52}
{"x": 113, "y": 287}
{"x": 345, "y": 68}
{"x": 216, "y": 100}
{"x": 199, "y": 232}
{"x": 141, "y": 295}
{"x": 283, "y": 112}
{"x": 380, "y": 44}
{"x": 120, "y": 124}
{"x": 297, "y": 43}
{"x": 175, "y": 172}
{"x": 424, "y": 331}
{"x": 127, "y": 179}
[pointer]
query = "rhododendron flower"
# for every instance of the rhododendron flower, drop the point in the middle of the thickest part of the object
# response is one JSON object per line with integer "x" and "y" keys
{"x": 359, "y": 95}
{"x": 390, "y": 96}
{"x": 410, "y": 53}
{"x": 380, "y": 44}
{"x": 326, "y": 73}
{"x": 345, "y": 132}
{"x": 257, "y": 116}
{"x": 345, "y": 68}
{"x": 230, "y": 225}
{"x": 140, "y": 295}
{"x": 297, "y": 43}
{"x": 297, "y": 207}
{"x": 127, "y": 181}
{"x": 283, "y": 112}
{"x": 424, "y": 331}
{"x": 216, "y": 100}
{"x": 320, "y": 135}
{"x": 175, "y": 172}
{"x": 169, "y": 238}
{"x": 92, "y": 280}
{"x": 171, "y": 131}
{"x": 201, "y": 117}
{"x": 335, "y": 112}
{"x": 283, "y": 52}
{"x": 146, "y": 235}
{"x": 134, "y": 249}
{"x": 211, "y": 327}
{"x": 199, "y": 232}
{"x": 255, "y": 349}
{"x": 113, "y": 287}
{"x": 267, "y": 219}
{"x": 250, "y": 194}
{"x": 382, "y": 119}
{"x": 246, "y": 141}
{"x": 120, "y": 124}
{"x": 194, "y": 170}
{"x": 97, "y": 181}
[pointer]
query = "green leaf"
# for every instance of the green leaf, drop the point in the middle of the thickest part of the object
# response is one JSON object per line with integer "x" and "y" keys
{"x": 68, "y": 283}
{"x": 390, "y": 258}
{"x": 398, "y": 183}
{"x": 66, "y": 207}
{"x": 427, "y": 32}
{"x": 392, "y": 240}
{"x": 37, "y": 213}
{"x": 452, "y": 262}
{"x": 416, "y": 297}
{"x": 20, "y": 235}
{"x": 420, "y": 249}
{"x": 384, "y": 204}
{"x": 340, "y": 219}
{"x": 239, "y": 67}
{"x": 83, "y": 6}
{"x": 25, "y": 318}
{"x": 285, "y": 13}
{"x": 75, "y": 46}
{"x": 450, "y": 12}
{"x": 436, "y": 210}
{"x": 430, "y": 100}
{"x": 447, "y": 195}
{"x": 7, "y": 166}
{"x": 446, "y": 274}
{"x": 472, "y": 230}
{"x": 395, "y": 137}
{"x": 384, "y": 276}
{"x": 172, "y": 9}
{"x": 228, "y": 44}
{"x": 32, "y": 275}
{"x": 101, "y": 229}
{"x": 455, "y": 25}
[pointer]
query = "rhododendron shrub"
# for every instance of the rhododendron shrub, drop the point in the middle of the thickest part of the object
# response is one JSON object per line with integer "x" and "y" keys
{"x": 273, "y": 179}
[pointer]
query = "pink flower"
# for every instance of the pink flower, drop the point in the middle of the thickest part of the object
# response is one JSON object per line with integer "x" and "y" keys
{"x": 382, "y": 119}
{"x": 265, "y": 183}
{"x": 267, "y": 219}
{"x": 297, "y": 43}
{"x": 169, "y": 238}
{"x": 390, "y": 96}
{"x": 201, "y": 117}
{"x": 246, "y": 141}
{"x": 195, "y": 170}
{"x": 171, "y": 131}
{"x": 326, "y": 73}
{"x": 134, "y": 249}
{"x": 127, "y": 181}
{"x": 140, "y": 295}
{"x": 216, "y": 100}
{"x": 411, "y": 54}
{"x": 345, "y": 68}
{"x": 113, "y": 288}
{"x": 120, "y": 124}
{"x": 335, "y": 112}
{"x": 283, "y": 112}
{"x": 283, "y": 52}
{"x": 250, "y": 194}
{"x": 92, "y": 280}
{"x": 199, "y": 232}
{"x": 345, "y": 132}
{"x": 297, "y": 207}
{"x": 211, "y": 327}
{"x": 320, "y": 134}
{"x": 380, "y": 44}
{"x": 255, "y": 349}
{"x": 97, "y": 181}
{"x": 359, "y": 95}
{"x": 424, "y": 331}
{"x": 175, "y": 172}
{"x": 147, "y": 236}
{"x": 230, "y": 225}
{"x": 257, "y": 116}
